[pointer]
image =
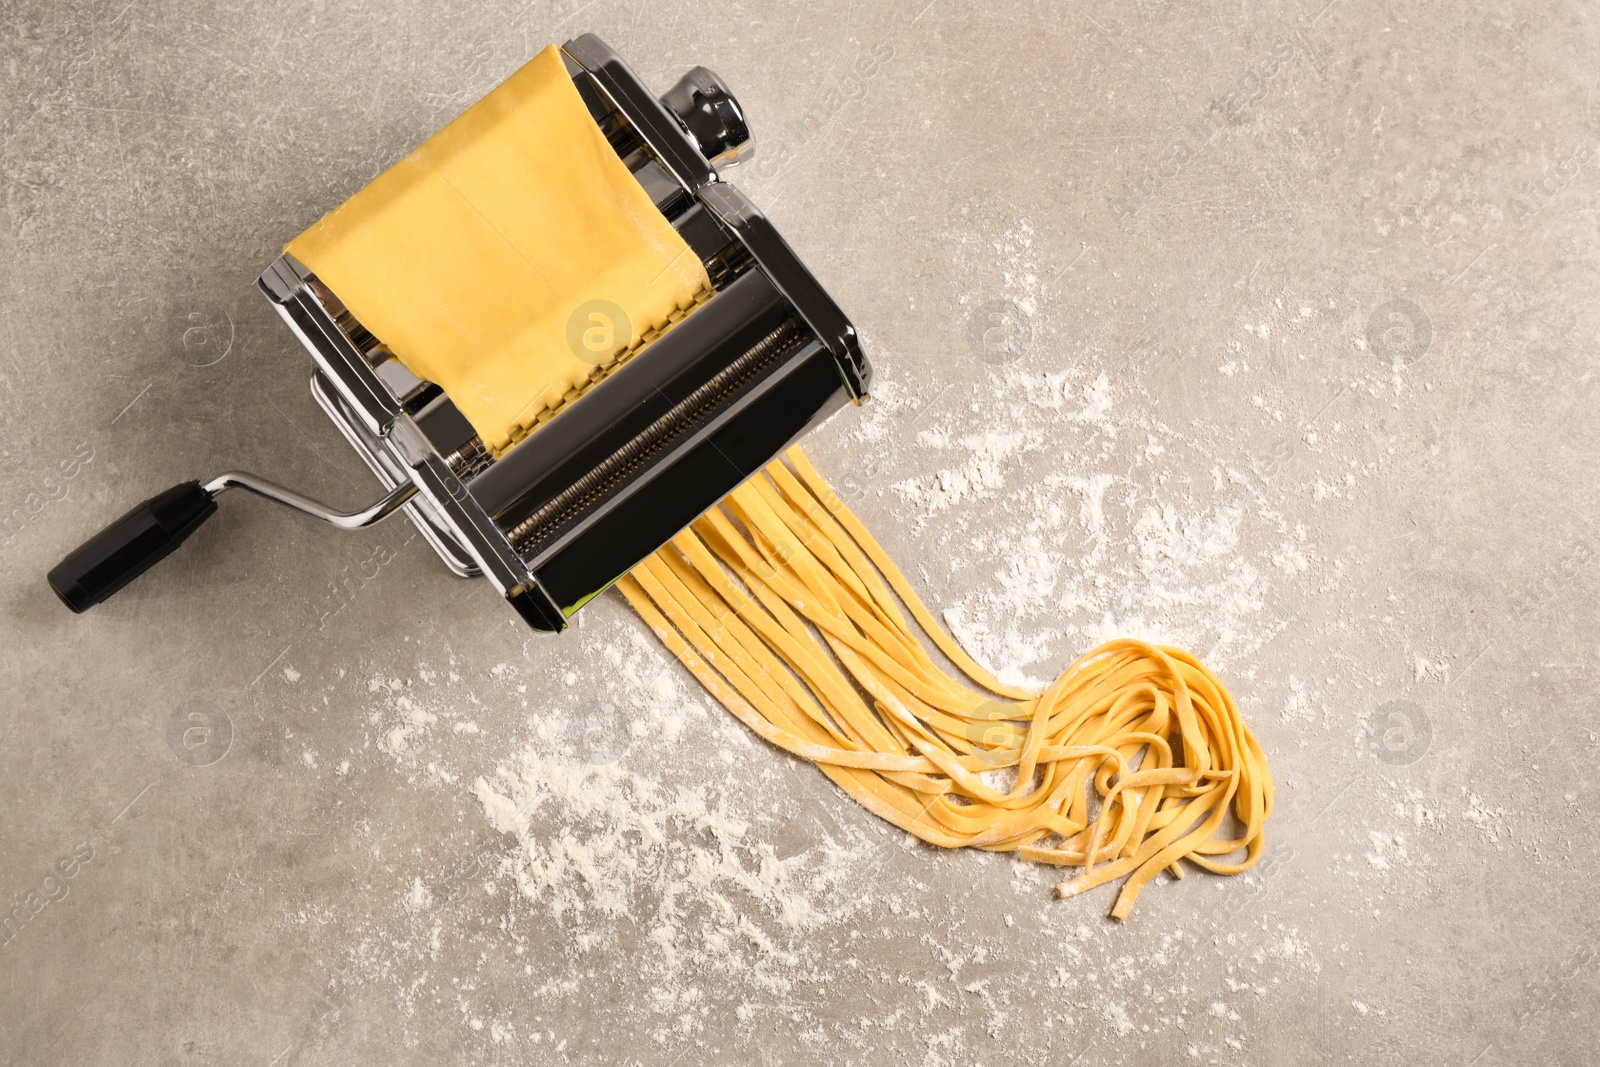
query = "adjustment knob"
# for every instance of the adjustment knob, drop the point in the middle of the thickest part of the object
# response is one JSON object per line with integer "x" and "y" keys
{"x": 707, "y": 109}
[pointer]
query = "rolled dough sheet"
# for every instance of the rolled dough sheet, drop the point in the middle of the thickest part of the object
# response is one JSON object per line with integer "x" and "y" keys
{"x": 481, "y": 257}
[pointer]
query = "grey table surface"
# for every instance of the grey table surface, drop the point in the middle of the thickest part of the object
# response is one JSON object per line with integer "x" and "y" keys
{"x": 1269, "y": 330}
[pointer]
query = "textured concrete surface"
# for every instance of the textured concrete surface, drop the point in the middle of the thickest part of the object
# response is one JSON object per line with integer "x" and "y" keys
{"x": 1268, "y": 329}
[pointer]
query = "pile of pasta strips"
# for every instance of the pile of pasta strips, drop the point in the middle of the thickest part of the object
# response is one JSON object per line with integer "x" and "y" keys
{"x": 785, "y": 608}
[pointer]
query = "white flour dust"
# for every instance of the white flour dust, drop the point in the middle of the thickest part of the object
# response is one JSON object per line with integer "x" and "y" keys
{"x": 1103, "y": 544}
{"x": 600, "y": 844}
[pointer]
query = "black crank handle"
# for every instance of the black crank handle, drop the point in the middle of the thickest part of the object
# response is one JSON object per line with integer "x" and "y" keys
{"x": 133, "y": 544}
{"x": 148, "y": 534}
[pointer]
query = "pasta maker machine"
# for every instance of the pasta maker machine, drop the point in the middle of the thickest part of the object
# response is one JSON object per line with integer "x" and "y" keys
{"x": 572, "y": 507}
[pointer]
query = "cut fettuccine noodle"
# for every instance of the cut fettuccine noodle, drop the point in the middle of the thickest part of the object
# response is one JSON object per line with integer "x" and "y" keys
{"x": 789, "y": 613}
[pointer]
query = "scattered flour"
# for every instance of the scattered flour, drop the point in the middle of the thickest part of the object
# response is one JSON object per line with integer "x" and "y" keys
{"x": 419, "y": 897}
{"x": 598, "y": 843}
{"x": 1490, "y": 822}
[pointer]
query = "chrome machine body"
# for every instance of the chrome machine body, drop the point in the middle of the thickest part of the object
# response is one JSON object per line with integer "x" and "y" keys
{"x": 639, "y": 455}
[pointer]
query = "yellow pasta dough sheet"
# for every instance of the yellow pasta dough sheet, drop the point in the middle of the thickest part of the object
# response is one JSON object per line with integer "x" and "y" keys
{"x": 509, "y": 256}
